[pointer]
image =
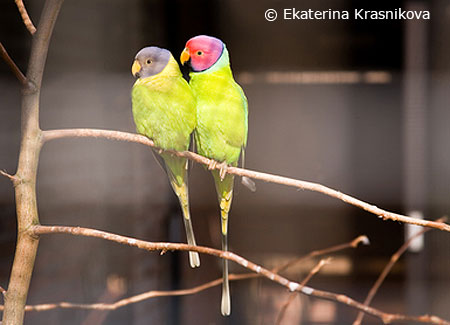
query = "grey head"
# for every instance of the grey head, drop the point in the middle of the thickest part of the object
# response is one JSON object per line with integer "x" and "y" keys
{"x": 150, "y": 61}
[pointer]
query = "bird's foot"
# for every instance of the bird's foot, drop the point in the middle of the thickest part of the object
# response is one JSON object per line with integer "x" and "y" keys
{"x": 223, "y": 170}
{"x": 212, "y": 164}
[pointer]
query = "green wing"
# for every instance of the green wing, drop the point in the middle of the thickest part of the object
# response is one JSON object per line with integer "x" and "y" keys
{"x": 167, "y": 117}
{"x": 222, "y": 117}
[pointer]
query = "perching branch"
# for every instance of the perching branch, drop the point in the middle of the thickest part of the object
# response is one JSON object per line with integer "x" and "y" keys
{"x": 303, "y": 185}
{"x": 26, "y": 19}
{"x": 387, "y": 269}
{"x": 14, "y": 68}
{"x": 291, "y": 285}
{"x": 25, "y": 187}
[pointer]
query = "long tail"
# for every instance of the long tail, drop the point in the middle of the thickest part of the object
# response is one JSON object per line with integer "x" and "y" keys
{"x": 177, "y": 171}
{"x": 225, "y": 194}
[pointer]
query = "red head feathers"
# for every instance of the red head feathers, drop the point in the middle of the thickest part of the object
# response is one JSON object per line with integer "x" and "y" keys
{"x": 202, "y": 52}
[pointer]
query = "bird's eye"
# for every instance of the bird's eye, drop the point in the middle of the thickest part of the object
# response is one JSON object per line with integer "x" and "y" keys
{"x": 149, "y": 61}
{"x": 199, "y": 53}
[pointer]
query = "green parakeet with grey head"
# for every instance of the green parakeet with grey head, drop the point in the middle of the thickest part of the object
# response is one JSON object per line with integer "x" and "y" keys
{"x": 164, "y": 109}
{"x": 221, "y": 132}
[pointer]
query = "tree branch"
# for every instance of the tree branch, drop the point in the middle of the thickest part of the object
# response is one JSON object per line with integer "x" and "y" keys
{"x": 291, "y": 285}
{"x": 388, "y": 269}
{"x": 14, "y": 68}
{"x": 303, "y": 185}
{"x": 26, "y": 19}
{"x": 25, "y": 189}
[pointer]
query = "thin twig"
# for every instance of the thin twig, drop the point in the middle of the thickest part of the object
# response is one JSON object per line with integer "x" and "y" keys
{"x": 12, "y": 178}
{"x": 315, "y": 270}
{"x": 388, "y": 268}
{"x": 353, "y": 244}
{"x": 134, "y": 299}
{"x": 14, "y": 68}
{"x": 291, "y": 285}
{"x": 292, "y": 295}
{"x": 304, "y": 185}
{"x": 25, "y": 17}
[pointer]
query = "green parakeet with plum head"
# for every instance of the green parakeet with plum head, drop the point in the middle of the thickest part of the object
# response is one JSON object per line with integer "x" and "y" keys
{"x": 164, "y": 110}
{"x": 221, "y": 132}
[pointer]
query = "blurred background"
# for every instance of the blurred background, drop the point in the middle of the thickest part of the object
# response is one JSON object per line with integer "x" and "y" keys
{"x": 357, "y": 105}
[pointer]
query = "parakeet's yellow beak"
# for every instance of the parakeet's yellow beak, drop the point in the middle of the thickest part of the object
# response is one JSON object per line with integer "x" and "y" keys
{"x": 184, "y": 56}
{"x": 136, "y": 68}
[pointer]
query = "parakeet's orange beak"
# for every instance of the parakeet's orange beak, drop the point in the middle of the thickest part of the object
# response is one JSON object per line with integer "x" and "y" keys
{"x": 136, "y": 68}
{"x": 185, "y": 56}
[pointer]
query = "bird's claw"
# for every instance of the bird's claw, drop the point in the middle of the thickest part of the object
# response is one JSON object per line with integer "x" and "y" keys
{"x": 212, "y": 164}
{"x": 223, "y": 170}
{"x": 223, "y": 167}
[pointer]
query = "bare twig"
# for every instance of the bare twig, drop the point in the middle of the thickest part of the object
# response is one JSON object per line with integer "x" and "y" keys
{"x": 25, "y": 190}
{"x": 134, "y": 299}
{"x": 291, "y": 285}
{"x": 14, "y": 68}
{"x": 12, "y": 178}
{"x": 387, "y": 269}
{"x": 353, "y": 244}
{"x": 315, "y": 270}
{"x": 304, "y": 185}
{"x": 115, "y": 289}
{"x": 292, "y": 295}
{"x": 25, "y": 17}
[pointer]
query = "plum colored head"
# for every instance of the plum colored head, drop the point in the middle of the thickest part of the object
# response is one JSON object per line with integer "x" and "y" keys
{"x": 202, "y": 52}
{"x": 150, "y": 61}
